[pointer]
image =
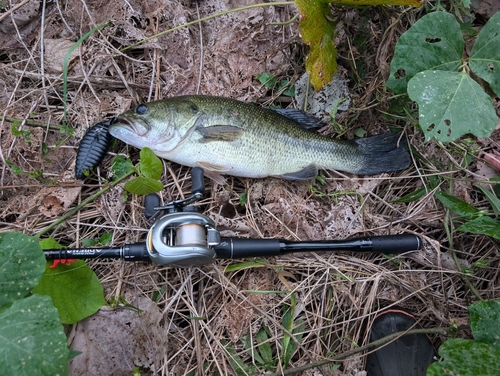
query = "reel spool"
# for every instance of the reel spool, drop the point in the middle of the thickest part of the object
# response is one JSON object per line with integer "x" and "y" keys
{"x": 183, "y": 239}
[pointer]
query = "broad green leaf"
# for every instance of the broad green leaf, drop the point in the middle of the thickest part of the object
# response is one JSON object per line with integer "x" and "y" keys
{"x": 121, "y": 166}
{"x": 32, "y": 339}
{"x": 485, "y": 55}
{"x": 318, "y": 32}
{"x": 485, "y": 322}
{"x": 21, "y": 266}
{"x": 150, "y": 164}
{"x": 264, "y": 347}
{"x": 434, "y": 42}
{"x": 466, "y": 358}
{"x": 451, "y": 104}
{"x": 482, "y": 226}
{"x": 74, "y": 289}
{"x": 143, "y": 185}
{"x": 457, "y": 205}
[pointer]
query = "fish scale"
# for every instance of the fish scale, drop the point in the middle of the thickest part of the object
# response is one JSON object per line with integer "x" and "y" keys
{"x": 226, "y": 136}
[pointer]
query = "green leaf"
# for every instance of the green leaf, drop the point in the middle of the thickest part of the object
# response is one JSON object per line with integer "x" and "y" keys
{"x": 318, "y": 32}
{"x": 434, "y": 42}
{"x": 74, "y": 289}
{"x": 466, "y": 358}
{"x": 357, "y": 3}
{"x": 492, "y": 198}
{"x": 360, "y": 132}
{"x": 264, "y": 347}
{"x": 150, "y": 165}
{"x": 457, "y": 205}
{"x": 49, "y": 243}
{"x": 246, "y": 265}
{"x": 15, "y": 168}
{"x": 121, "y": 166}
{"x": 32, "y": 339}
{"x": 21, "y": 266}
{"x": 243, "y": 198}
{"x": 267, "y": 79}
{"x": 485, "y": 322}
{"x": 289, "y": 346}
{"x": 143, "y": 186}
{"x": 412, "y": 196}
{"x": 106, "y": 238}
{"x": 236, "y": 362}
{"x": 485, "y": 55}
{"x": 451, "y": 104}
{"x": 88, "y": 242}
{"x": 482, "y": 226}
{"x": 103, "y": 240}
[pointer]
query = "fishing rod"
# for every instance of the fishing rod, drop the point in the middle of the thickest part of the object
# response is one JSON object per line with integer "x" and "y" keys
{"x": 182, "y": 237}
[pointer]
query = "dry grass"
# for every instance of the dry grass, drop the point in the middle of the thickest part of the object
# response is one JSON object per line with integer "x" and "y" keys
{"x": 201, "y": 309}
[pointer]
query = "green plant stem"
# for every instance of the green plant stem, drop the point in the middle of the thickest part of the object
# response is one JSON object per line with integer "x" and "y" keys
{"x": 284, "y": 23}
{"x": 465, "y": 278}
{"x": 89, "y": 199}
{"x": 206, "y": 19}
{"x": 32, "y": 123}
{"x": 368, "y": 347}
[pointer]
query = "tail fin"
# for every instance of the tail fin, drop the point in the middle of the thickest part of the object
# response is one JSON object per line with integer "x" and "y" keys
{"x": 384, "y": 153}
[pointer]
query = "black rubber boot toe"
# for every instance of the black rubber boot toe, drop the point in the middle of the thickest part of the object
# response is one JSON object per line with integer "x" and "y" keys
{"x": 409, "y": 355}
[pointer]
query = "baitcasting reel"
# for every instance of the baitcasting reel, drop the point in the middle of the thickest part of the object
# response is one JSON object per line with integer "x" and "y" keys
{"x": 182, "y": 236}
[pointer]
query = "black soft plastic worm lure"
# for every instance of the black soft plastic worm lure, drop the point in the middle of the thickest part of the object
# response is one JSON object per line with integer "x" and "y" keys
{"x": 93, "y": 147}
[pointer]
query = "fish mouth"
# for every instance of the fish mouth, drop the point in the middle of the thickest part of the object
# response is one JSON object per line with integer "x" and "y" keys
{"x": 136, "y": 126}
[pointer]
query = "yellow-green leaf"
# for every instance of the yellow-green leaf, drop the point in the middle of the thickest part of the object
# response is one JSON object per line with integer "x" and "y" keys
{"x": 412, "y": 3}
{"x": 319, "y": 32}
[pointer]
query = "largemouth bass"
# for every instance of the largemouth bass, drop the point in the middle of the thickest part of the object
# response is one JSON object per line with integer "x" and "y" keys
{"x": 226, "y": 136}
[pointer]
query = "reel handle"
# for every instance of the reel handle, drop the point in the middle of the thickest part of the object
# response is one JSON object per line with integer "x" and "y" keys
{"x": 198, "y": 185}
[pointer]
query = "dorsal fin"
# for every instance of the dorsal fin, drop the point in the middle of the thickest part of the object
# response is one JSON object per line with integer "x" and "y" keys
{"x": 303, "y": 119}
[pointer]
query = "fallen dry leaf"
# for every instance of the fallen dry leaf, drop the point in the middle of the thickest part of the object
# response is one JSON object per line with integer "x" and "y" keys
{"x": 55, "y": 51}
{"x": 113, "y": 342}
{"x": 56, "y": 201}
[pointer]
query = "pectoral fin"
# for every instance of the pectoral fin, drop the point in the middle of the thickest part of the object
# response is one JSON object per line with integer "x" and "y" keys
{"x": 308, "y": 172}
{"x": 219, "y": 133}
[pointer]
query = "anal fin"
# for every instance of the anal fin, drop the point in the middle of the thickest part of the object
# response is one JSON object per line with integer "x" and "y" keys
{"x": 214, "y": 172}
{"x": 308, "y": 172}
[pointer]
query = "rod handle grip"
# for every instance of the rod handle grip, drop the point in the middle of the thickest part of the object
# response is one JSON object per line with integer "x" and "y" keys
{"x": 395, "y": 243}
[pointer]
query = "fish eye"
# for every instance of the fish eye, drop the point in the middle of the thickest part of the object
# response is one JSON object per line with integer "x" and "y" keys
{"x": 141, "y": 109}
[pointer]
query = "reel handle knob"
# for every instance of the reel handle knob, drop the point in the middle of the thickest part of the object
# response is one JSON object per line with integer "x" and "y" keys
{"x": 150, "y": 203}
{"x": 198, "y": 185}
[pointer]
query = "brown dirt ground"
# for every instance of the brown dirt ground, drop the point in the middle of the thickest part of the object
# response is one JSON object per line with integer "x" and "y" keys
{"x": 335, "y": 293}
